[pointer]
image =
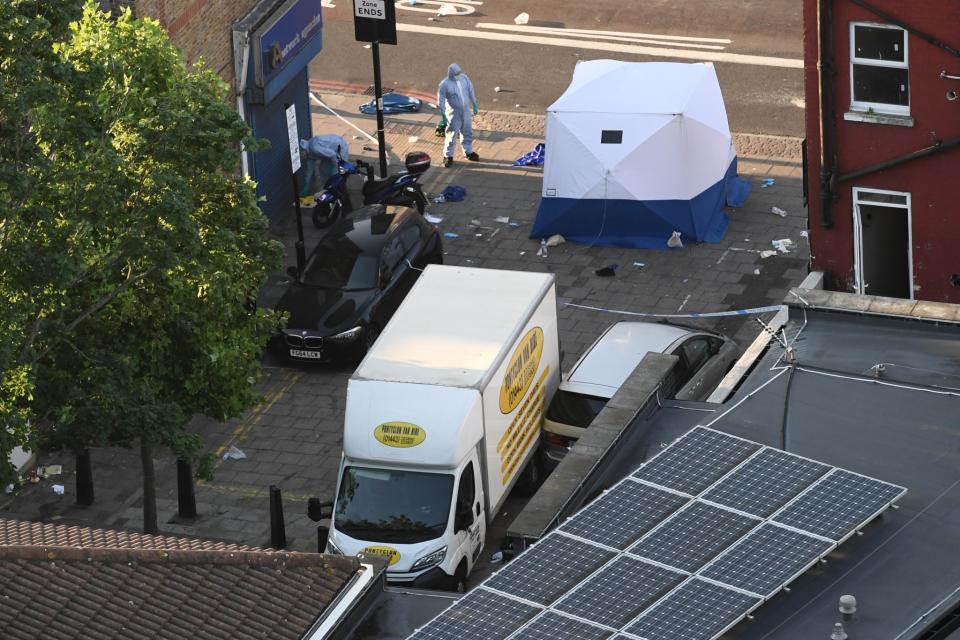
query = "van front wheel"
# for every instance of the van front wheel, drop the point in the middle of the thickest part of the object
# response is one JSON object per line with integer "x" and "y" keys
{"x": 458, "y": 583}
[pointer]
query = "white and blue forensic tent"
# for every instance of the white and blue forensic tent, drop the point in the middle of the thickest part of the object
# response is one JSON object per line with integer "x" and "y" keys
{"x": 635, "y": 151}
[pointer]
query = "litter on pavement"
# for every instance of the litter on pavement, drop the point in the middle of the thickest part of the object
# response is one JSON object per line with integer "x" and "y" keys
{"x": 804, "y": 234}
{"x": 534, "y": 157}
{"x": 767, "y": 254}
{"x": 555, "y": 240}
{"x": 451, "y": 234}
{"x": 778, "y": 211}
{"x": 767, "y": 182}
{"x": 432, "y": 219}
{"x": 234, "y": 453}
{"x": 49, "y": 470}
{"x": 502, "y": 219}
{"x": 542, "y": 251}
{"x": 452, "y": 193}
{"x": 413, "y": 139}
{"x": 496, "y": 558}
{"x": 674, "y": 242}
{"x": 393, "y": 103}
{"x": 523, "y": 18}
{"x": 608, "y": 271}
{"x": 640, "y": 265}
{"x": 783, "y": 246}
{"x": 58, "y": 489}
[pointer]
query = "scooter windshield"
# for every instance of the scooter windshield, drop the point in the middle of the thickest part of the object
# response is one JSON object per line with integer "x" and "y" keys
{"x": 390, "y": 505}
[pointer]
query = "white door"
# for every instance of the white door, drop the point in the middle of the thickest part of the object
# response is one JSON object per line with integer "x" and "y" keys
{"x": 882, "y": 234}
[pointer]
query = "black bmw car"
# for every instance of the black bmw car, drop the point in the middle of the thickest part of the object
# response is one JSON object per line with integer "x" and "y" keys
{"x": 353, "y": 282}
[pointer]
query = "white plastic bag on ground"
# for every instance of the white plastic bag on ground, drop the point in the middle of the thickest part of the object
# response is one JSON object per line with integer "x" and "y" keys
{"x": 523, "y": 18}
{"x": 674, "y": 242}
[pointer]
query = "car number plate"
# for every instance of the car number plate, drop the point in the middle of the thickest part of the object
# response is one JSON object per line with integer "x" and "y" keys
{"x": 300, "y": 353}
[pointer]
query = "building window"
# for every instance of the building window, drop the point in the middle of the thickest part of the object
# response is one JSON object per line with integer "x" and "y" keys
{"x": 879, "y": 74}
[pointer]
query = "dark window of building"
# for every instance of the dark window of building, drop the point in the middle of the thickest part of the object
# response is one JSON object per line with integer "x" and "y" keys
{"x": 879, "y": 74}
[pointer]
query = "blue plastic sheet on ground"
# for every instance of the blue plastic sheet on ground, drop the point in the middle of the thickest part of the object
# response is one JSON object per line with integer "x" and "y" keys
{"x": 534, "y": 157}
{"x": 393, "y": 103}
{"x": 737, "y": 191}
{"x": 453, "y": 193}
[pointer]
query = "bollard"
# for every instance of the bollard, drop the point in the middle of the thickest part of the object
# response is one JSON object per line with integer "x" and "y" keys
{"x": 84, "y": 479}
{"x": 186, "y": 498}
{"x": 278, "y": 533}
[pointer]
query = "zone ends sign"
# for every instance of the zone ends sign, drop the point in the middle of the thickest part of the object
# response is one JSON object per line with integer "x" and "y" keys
{"x": 375, "y": 9}
{"x": 375, "y": 21}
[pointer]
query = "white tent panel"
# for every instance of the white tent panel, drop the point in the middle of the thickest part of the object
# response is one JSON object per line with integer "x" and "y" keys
{"x": 706, "y": 105}
{"x": 569, "y": 170}
{"x": 613, "y": 86}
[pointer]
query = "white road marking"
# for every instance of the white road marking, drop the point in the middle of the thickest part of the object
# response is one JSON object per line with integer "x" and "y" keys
{"x": 463, "y": 7}
{"x": 659, "y": 52}
{"x": 684, "y": 303}
{"x": 592, "y": 32}
{"x": 580, "y": 33}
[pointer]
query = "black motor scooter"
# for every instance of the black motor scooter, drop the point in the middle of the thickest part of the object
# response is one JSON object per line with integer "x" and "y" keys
{"x": 401, "y": 188}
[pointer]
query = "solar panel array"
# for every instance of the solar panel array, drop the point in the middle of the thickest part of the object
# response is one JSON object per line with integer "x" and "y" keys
{"x": 686, "y": 547}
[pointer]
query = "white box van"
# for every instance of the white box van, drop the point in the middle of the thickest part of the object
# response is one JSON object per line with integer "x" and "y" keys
{"x": 442, "y": 418}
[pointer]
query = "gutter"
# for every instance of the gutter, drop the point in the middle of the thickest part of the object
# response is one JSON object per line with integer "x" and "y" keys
{"x": 937, "y": 147}
{"x": 334, "y": 621}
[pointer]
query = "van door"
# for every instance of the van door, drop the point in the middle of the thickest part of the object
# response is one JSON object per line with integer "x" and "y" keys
{"x": 468, "y": 522}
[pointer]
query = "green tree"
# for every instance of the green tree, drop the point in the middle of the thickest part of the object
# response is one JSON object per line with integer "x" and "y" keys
{"x": 34, "y": 268}
{"x": 166, "y": 247}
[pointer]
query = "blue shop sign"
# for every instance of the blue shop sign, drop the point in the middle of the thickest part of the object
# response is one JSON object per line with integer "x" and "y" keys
{"x": 284, "y": 36}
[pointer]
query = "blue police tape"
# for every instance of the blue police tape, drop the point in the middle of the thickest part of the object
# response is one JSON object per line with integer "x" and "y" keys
{"x": 712, "y": 314}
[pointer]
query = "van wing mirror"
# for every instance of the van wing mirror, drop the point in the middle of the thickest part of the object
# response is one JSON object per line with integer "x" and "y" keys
{"x": 318, "y": 511}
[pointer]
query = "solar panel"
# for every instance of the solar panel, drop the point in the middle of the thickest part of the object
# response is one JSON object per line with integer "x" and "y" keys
{"x": 687, "y": 546}
{"x": 839, "y": 504}
{"x": 766, "y": 559}
{"x": 693, "y": 536}
{"x": 623, "y": 514}
{"x": 479, "y": 615}
{"x": 766, "y": 482}
{"x": 617, "y": 594}
{"x": 553, "y": 626}
{"x": 549, "y": 568}
{"x": 697, "y": 610}
{"x": 696, "y": 461}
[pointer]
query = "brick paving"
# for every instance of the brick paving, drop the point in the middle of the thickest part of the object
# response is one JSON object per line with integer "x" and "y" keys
{"x": 293, "y": 438}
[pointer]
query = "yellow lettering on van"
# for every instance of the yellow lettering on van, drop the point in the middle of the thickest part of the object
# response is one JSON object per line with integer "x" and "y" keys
{"x": 401, "y": 435}
{"x": 521, "y": 369}
{"x": 382, "y": 550}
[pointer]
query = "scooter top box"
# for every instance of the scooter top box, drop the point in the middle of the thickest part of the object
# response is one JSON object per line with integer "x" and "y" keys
{"x": 417, "y": 161}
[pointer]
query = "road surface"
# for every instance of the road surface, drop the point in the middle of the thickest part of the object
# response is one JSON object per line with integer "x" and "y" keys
{"x": 756, "y": 47}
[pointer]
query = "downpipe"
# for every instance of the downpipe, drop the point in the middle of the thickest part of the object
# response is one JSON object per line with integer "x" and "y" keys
{"x": 825, "y": 94}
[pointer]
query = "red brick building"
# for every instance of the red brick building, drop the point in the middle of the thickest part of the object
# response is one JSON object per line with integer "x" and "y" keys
{"x": 882, "y": 79}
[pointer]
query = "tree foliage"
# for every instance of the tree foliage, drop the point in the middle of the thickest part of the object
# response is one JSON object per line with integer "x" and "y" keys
{"x": 140, "y": 252}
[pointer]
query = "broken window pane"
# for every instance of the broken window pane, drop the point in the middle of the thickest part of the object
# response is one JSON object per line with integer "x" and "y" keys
{"x": 884, "y": 85}
{"x": 875, "y": 43}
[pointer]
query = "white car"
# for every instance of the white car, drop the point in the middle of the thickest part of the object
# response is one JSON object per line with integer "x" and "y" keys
{"x": 704, "y": 359}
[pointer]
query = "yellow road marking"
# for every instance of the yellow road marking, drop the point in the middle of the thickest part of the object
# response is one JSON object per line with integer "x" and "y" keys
{"x": 247, "y": 425}
{"x": 245, "y": 491}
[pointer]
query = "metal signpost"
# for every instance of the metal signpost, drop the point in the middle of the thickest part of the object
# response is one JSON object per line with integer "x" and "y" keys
{"x": 375, "y": 21}
{"x": 294, "y": 139}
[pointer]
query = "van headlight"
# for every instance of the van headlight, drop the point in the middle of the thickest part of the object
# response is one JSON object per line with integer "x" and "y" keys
{"x": 332, "y": 548}
{"x": 345, "y": 336}
{"x": 429, "y": 560}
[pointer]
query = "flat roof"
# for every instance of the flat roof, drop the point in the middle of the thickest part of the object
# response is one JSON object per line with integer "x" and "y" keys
{"x": 454, "y": 326}
{"x": 902, "y": 427}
